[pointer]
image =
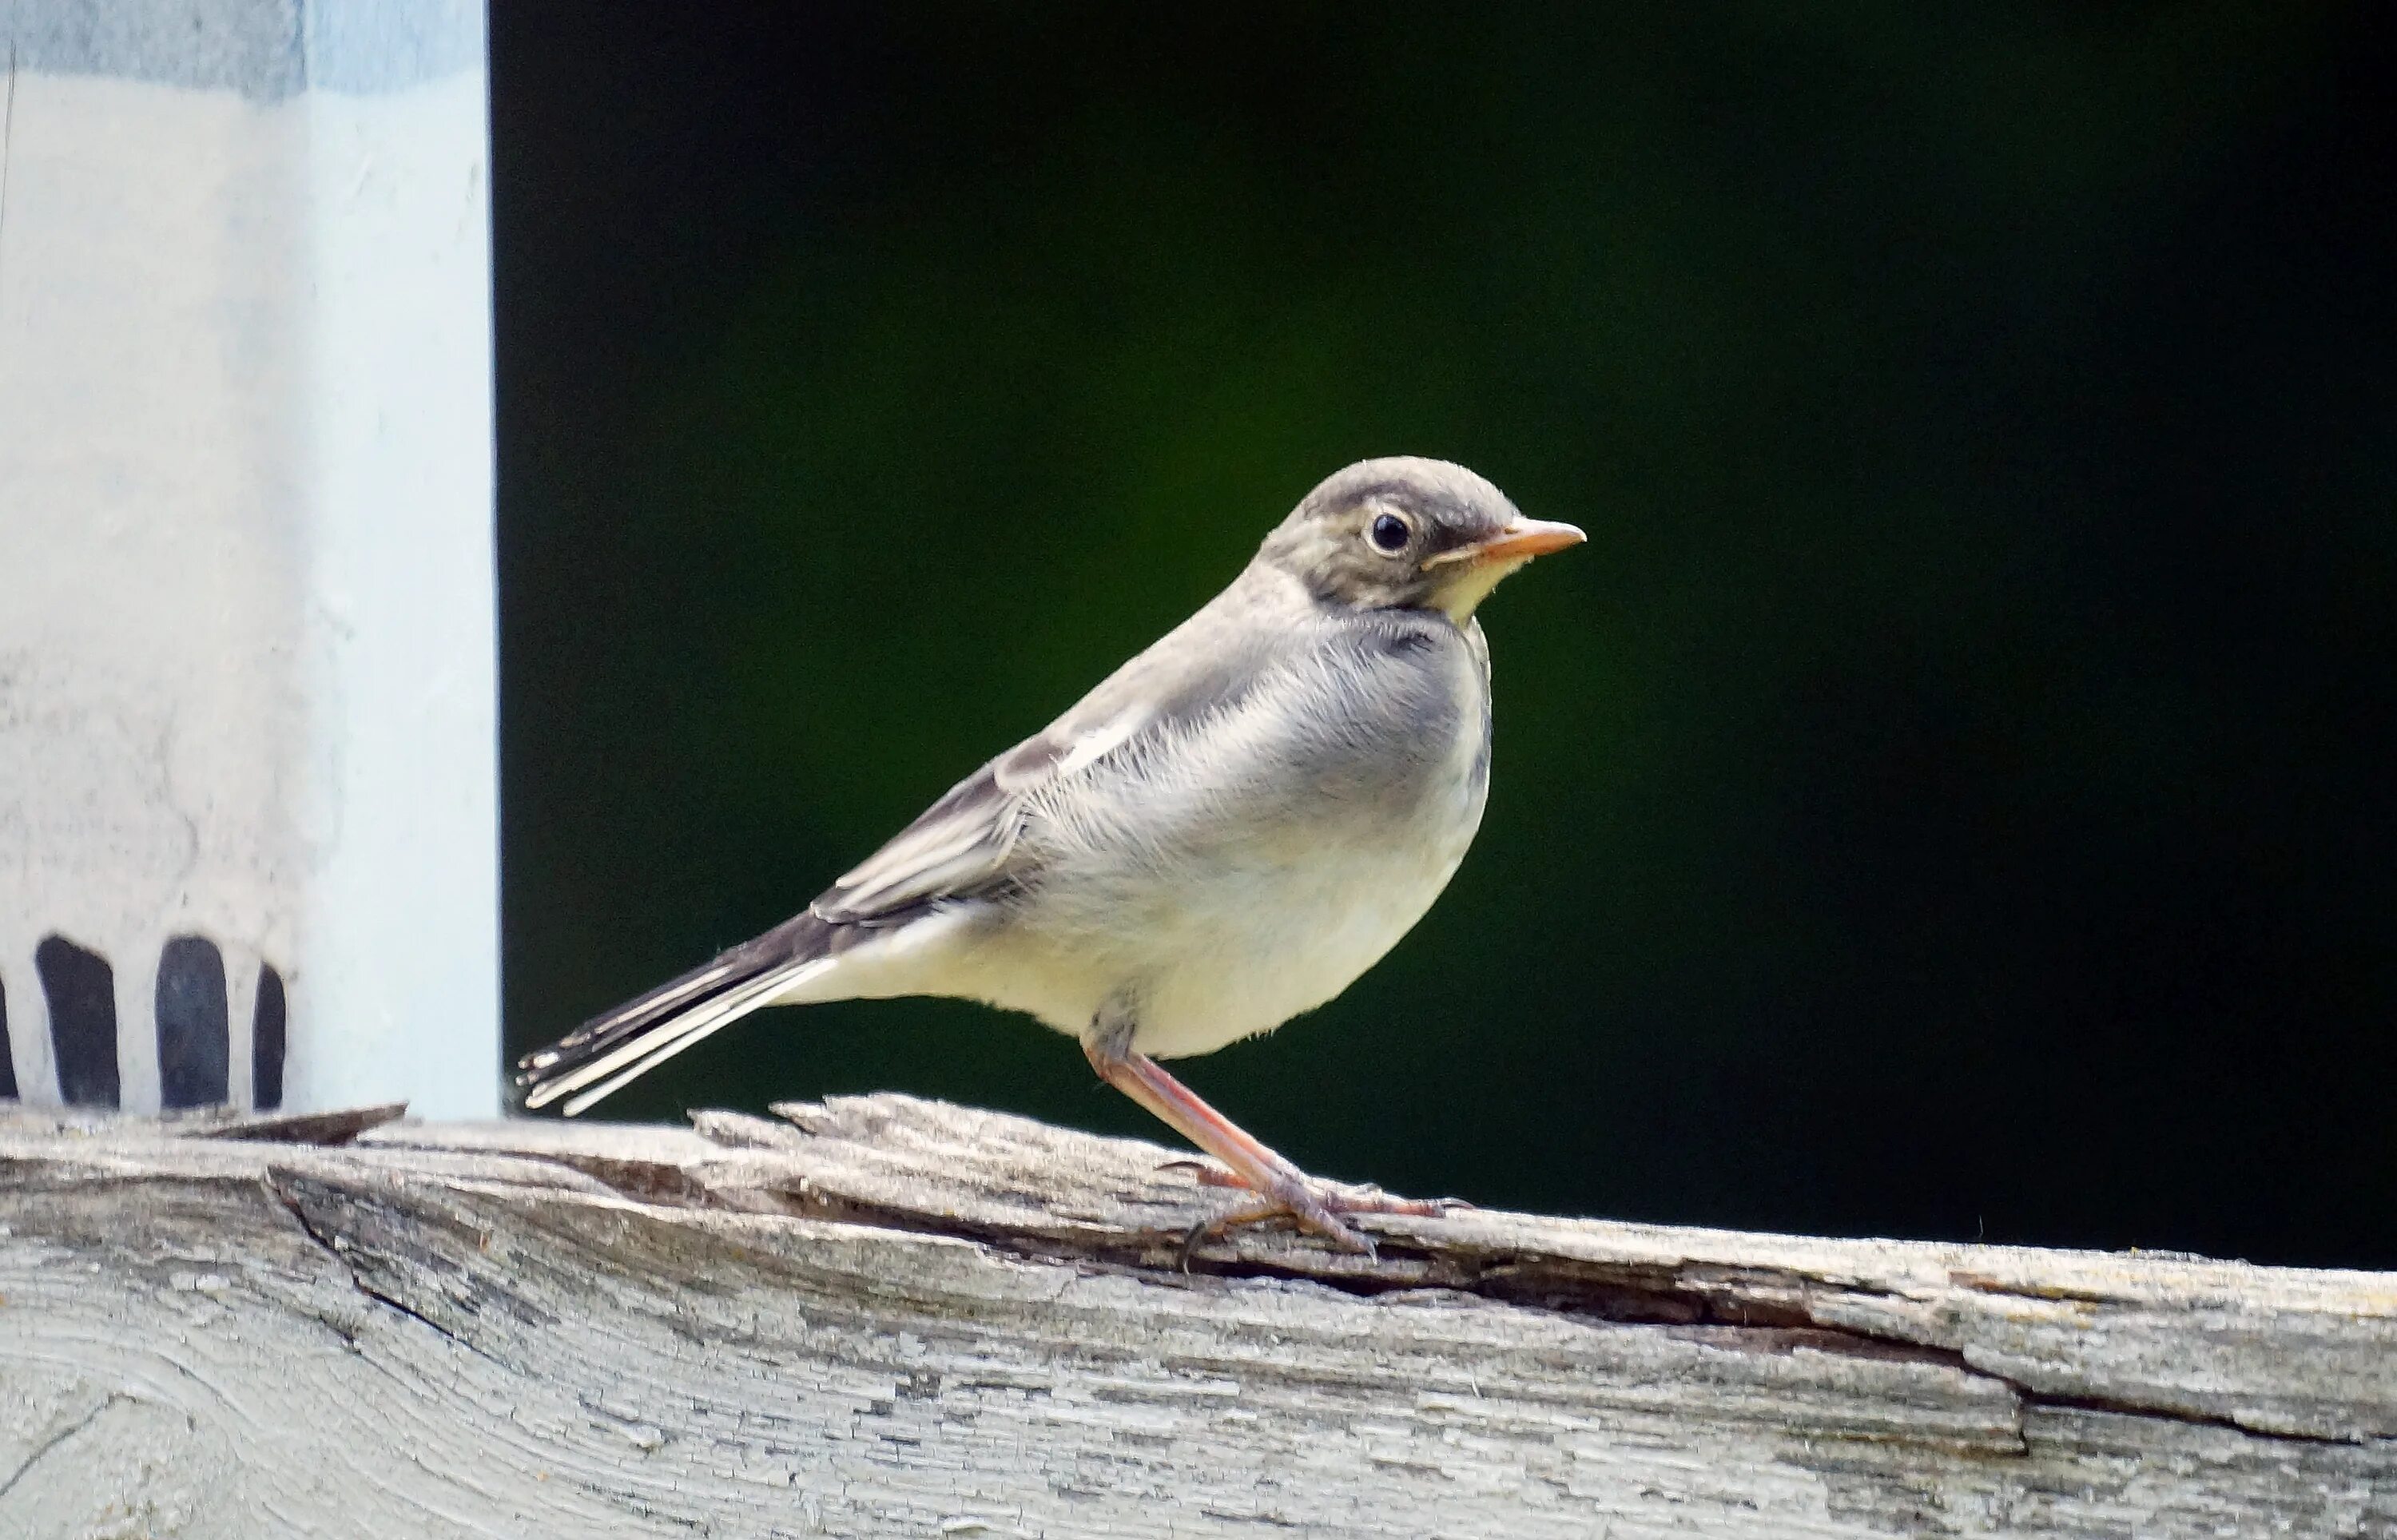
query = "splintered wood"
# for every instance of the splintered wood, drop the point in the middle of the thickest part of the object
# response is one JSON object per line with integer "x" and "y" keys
{"x": 882, "y": 1316}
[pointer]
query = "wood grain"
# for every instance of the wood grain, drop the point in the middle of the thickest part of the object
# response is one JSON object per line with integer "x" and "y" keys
{"x": 882, "y": 1316}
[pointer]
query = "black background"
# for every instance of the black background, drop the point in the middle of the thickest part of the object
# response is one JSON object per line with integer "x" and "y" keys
{"x": 1949, "y": 795}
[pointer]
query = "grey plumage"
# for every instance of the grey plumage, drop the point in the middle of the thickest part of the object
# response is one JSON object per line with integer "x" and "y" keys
{"x": 1221, "y": 835}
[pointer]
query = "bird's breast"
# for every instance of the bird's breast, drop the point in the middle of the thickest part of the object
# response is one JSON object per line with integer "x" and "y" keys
{"x": 1235, "y": 877}
{"x": 1329, "y": 883}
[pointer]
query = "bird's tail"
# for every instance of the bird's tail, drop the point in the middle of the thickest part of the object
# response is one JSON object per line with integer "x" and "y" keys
{"x": 617, "y": 1047}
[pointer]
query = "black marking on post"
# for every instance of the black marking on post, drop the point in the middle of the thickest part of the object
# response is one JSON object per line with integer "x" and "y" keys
{"x": 81, "y": 988}
{"x": 266, "y": 1041}
{"x": 194, "y": 1043}
{"x": 7, "y": 1060}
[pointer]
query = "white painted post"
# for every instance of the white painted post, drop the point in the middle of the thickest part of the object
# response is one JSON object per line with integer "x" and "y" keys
{"x": 247, "y": 779}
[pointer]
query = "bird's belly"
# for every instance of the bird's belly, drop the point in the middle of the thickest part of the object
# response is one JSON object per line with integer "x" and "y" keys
{"x": 1222, "y": 946}
{"x": 1251, "y": 954}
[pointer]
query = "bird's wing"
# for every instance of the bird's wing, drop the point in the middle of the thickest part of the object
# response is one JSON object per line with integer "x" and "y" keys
{"x": 965, "y": 845}
{"x": 959, "y": 848}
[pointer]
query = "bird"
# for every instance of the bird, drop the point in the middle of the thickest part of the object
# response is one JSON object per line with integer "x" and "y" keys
{"x": 1225, "y": 833}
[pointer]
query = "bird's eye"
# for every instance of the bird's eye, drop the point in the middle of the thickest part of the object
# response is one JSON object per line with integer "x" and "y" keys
{"x": 1388, "y": 534}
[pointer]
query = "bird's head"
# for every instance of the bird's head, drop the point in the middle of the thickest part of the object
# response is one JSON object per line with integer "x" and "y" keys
{"x": 1408, "y": 534}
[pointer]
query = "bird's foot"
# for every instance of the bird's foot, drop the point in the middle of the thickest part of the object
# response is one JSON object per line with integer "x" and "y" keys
{"x": 1317, "y": 1207}
{"x": 1361, "y": 1199}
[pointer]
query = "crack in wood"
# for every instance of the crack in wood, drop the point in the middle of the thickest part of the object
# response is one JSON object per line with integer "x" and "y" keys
{"x": 1534, "y": 1284}
{"x": 51, "y": 1444}
{"x": 315, "y": 1206}
{"x": 1713, "y": 1310}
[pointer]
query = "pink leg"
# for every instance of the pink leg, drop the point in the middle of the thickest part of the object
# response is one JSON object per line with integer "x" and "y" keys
{"x": 1282, "y": 1185}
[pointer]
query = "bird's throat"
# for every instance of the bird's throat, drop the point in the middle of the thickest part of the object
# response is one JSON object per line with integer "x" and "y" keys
{"x": 1462, "y": 594}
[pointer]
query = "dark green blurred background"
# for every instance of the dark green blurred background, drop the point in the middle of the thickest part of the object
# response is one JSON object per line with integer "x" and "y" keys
{"x": 1948, "y": 796}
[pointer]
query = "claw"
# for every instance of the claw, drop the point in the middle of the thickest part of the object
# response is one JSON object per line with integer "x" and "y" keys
{"x": 1205, "y": 1172}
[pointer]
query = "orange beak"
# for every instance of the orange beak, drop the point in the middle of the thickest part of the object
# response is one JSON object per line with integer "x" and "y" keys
{"x": 1518, "y": 542}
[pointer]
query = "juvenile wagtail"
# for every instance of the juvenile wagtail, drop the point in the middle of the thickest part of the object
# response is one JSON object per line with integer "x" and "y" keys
{"x": 1227, "y": 832}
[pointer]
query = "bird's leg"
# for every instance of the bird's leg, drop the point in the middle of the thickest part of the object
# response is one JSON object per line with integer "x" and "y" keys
{"x": 1282, "y": 1185}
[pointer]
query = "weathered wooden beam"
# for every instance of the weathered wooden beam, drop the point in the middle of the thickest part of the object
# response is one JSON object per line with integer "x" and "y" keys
{"x": 886, "y": 1315}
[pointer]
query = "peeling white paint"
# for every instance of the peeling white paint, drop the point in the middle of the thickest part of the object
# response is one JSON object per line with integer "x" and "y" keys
{"x": 246, "y": 681}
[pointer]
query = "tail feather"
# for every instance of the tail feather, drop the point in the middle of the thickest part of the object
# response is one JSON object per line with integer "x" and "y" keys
{"x": 618, "y": 1046}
